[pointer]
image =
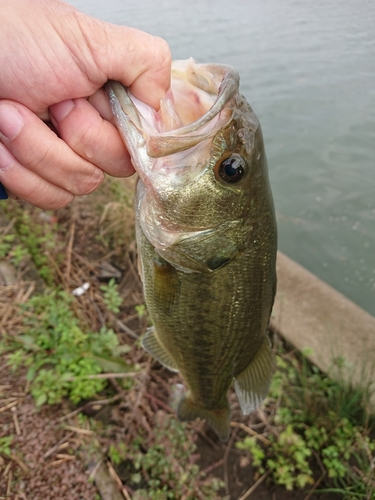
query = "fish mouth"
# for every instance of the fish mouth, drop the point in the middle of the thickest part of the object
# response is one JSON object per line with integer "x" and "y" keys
{"x": 218, "y": 84}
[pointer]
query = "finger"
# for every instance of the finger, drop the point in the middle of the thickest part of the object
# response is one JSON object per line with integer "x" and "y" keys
{"x": 96, "y": 140}
{"x": 101, "y": 103}
{"x": 28, "y": 186}
{"x": 136, "y": 59}
{"x": 35, "y": 146}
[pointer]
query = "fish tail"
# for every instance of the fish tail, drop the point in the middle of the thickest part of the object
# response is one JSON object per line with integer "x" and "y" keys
{"x": 218, "y": 419}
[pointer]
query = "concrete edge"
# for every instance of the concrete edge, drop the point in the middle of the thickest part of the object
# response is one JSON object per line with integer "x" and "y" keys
{"x": 312, "y": 315}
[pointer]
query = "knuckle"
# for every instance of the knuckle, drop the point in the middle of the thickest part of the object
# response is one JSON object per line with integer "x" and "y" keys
{"x": 89, "y": 183}
{"x": 162, "y": 55}
{"x": 45, "y": 196}
{"x": 40, "y": 156}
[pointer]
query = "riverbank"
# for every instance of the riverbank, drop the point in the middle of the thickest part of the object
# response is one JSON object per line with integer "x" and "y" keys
{"x": 334, "y": 333}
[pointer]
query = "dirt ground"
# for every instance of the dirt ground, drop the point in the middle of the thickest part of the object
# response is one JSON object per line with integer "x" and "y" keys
{"x": 53, "y": 460}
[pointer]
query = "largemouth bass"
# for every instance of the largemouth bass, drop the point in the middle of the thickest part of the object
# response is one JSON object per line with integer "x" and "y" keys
{"x": 206, "y": 237}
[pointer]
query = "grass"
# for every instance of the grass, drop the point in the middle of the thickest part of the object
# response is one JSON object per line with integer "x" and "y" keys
{"x": 314, "y": 424}
{"x": 311, "y": 434}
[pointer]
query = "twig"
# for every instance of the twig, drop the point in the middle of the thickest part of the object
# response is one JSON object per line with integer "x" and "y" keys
{"x": 65, "y": 456}
{"x": 125, "y": 493}
{"x": 20, "y": 463}
{"x": 7, "y": 469}
{"x": 91, "y": 403}
{"x": 255, "y": 485}
{"x": 69, "y": 251}
{"x": 95, "y": 470}
{"x": 7, "y": 229}
{"x": 16, "y": 422}
{"x": 85, "y": 432}
{"x": 84, "y": 261}
{"x": 28, "y": 292}
{"x": 225, "y": 459}
{"x": 57, "y": 445}
{"x": 8, "y": 406}
{"x": 125, "y": 328}
{"x": 160, "y": 403}
{"x": 315, "y": 486}
{"x": 214, "y": 466}
{"x": 251, "y": 432}
{"x": 103, "y": 375}
{"x": 114, "y": 474}
{"x": 9, "y": 486}
{"x": 57, "y": 462}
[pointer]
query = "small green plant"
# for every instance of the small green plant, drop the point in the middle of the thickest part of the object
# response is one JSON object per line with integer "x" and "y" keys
{"x": 18, "y": 254}
{"x": 251, "y": 445}
{"x": 291, "y": 468}
{"x": 62, "y": 357}
{"x": 117, "y": 453}
{"x": 313, "y": 417}
{"x": 165, "y": 469}
{"x": 38, "y": 239}
{"x": 5, "y": 444}
{"x": 6, "y": 244}
{"x": 141, "y": 310}
{"x": 111, "y": 296}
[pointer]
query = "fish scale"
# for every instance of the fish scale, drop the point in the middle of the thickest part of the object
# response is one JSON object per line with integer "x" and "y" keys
{"x": 206, "y": 238}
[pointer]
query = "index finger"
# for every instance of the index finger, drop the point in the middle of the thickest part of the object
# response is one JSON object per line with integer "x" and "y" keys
{"x": 139, "y": 61}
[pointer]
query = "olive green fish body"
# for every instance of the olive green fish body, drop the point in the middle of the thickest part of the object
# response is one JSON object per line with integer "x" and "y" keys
{"x": 206, "y": 235}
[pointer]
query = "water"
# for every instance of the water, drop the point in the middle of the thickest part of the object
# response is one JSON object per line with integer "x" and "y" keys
{"x": 308, "y": 70}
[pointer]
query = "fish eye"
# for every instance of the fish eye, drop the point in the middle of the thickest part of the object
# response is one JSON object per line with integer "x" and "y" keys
{"x": 232, "y": 169}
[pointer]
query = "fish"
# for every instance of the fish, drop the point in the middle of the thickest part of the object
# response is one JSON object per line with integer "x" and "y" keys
{"x": 206, "y": 237}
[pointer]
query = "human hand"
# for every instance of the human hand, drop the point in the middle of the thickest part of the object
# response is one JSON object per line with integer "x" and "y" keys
{"x": 52, "y": 57}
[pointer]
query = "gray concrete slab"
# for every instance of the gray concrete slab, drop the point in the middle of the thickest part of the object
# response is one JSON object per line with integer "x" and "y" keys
{"x": 309, "y": 313}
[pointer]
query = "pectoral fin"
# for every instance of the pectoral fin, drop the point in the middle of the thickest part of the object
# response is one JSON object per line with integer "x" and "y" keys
{"x": 152, "y": 345}
{"x": 166, "y": 284}
{"x": 253, "y": 383}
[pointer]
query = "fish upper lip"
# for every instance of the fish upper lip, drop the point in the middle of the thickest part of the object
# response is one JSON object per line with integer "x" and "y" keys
{"x": 227, "y": 89}
{"x": 166, "y": 143}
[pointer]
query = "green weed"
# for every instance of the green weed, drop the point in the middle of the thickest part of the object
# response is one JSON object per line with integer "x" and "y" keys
{"x": 165, "y": 468}
{"x": 141, "y": 310}
{"x": 111, "y": 296}
{"x": 5, "y": 444}
{"x": 62, "y": 357}
{"x": 314, "y": 418}
{"x": 38, "y": 240}
{"x": 6, "y": 244}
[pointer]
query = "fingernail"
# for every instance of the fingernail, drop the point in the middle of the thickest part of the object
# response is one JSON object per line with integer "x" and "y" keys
{"x": 3, "y": 193}
{"x": 11, "y": 122}
{"x": 60, "y": 110}
{"x": 6, "y": 158}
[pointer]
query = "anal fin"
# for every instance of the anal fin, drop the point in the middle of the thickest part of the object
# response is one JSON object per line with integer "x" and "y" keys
{"x": 152, "y": 345}
{"x": 253, "y": 383}
{"x": 218, "y": 419}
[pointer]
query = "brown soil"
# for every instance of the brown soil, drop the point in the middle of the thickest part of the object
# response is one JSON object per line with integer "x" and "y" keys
{"x": 51, "y": 461}
{"x": 48, "y": 463}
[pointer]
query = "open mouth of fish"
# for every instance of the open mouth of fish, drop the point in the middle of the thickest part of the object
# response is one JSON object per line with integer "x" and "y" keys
{"x": 194, "y": 109}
